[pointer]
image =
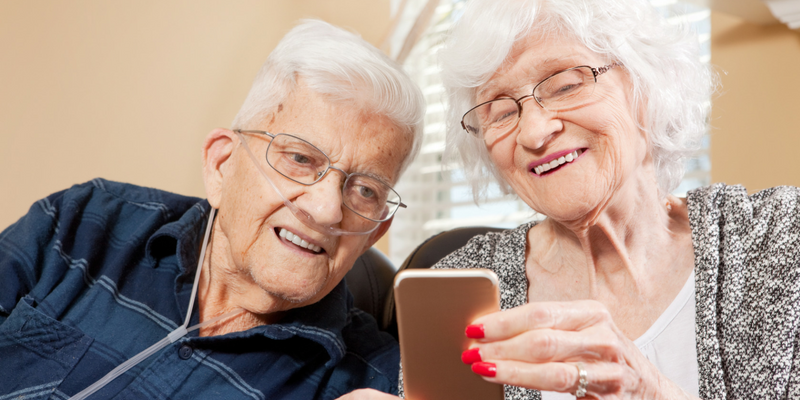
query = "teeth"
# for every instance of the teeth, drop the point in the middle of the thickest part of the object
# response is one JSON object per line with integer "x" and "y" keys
{"x": 298, "y": 241}
{"x": 538, "y": 170}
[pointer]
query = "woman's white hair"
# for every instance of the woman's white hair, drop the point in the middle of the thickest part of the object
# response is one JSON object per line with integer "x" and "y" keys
{"x": 662, "y": 61}
{"x": 345, "y": 68}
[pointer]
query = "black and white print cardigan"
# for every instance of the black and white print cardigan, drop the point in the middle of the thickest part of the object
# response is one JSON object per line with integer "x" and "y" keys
{"x": 747, "y": 274}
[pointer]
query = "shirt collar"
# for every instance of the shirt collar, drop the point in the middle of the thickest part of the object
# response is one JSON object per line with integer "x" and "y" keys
{"x": 182, "y": 237}
{"x": 322, "y": 322}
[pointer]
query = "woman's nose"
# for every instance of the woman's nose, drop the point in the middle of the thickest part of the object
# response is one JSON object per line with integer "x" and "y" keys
{"x": 323, "y": 200}
{"x": 537, "y": 125}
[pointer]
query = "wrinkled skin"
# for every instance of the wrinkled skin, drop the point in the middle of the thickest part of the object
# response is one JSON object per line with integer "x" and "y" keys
{"x": 611, "y": 255}
{"x": 250, "y": 266}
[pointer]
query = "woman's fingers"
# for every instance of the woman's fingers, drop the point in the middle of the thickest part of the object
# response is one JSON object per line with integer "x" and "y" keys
{"x": 565, "y": 316}
{"x": 540, "y": 345}
{"x": 601, "y": 378}
{"x": 548, "y": 345}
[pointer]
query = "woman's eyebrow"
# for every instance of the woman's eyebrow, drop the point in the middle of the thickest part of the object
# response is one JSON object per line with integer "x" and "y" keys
{"x": 536, "y": 69}
{"x": 550, "y": 66}
{"x": 481, "y": 93}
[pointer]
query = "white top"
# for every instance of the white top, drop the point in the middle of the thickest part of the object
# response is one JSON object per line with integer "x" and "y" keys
{"x": 669, "y": 344}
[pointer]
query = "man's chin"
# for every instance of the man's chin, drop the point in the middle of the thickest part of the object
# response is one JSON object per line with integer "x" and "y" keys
{"x": 294, "y": 299}
{"x": 294, "y": 290}
{"x": 300, "y": 297}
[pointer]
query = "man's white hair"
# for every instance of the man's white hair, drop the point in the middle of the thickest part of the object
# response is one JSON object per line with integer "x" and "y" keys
{"x": 662, "y": 61}
{"x": 342, "y": 66}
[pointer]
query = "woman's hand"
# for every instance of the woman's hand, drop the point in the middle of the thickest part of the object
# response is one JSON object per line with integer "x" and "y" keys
{"x": 541, "y": 345}
{"x": 367, "y": 394}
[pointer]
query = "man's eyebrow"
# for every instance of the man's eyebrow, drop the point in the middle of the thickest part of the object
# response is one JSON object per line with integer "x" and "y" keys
{"x": 375, "y": 176}
{"x": 369, "y": 174}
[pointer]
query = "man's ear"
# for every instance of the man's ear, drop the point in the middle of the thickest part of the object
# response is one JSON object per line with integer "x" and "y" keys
{"x": 217, "y": 149}
{"x": 378, "y": 233}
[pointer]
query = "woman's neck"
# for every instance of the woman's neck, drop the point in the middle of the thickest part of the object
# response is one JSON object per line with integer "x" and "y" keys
{"x": 637, "y": 250}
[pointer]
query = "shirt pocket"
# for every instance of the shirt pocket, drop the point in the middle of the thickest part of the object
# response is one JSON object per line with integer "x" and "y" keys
{"x": 37, "y": 351}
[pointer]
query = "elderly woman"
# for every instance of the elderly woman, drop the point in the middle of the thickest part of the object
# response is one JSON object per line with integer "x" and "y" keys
{"x": 586, "y": 109}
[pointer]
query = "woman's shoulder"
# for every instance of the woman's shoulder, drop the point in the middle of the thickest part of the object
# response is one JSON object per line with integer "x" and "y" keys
{"x": 733, "y": 201}
{"x": 482, "y": 250}
{"x": 759, "y": 231}
{"x": 503, "y": 253}
{"x": 747, "y": 275}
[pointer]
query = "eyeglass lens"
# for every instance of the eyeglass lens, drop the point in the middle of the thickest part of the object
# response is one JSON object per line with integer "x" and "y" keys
{"x": 304, "y": 163}
{"x": 566, "y": 89}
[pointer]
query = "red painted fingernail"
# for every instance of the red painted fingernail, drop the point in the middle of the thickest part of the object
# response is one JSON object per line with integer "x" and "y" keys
{"x": 485, "y": 369}
{"x": 475, "y": 331}
{"x": 471, "y": 356}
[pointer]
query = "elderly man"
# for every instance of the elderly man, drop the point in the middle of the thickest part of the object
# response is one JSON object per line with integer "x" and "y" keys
{"x": 112, "y": 290}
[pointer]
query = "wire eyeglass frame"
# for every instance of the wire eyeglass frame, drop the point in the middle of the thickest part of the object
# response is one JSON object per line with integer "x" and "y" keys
{"x": 392, "y": 203}
{"x": 476, "y": 131}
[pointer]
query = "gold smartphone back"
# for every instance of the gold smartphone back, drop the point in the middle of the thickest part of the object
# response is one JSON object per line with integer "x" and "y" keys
{"x": 433, "y": 309}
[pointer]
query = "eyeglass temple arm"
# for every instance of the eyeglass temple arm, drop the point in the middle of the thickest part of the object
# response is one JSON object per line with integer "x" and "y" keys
{"x": 402, "y": 205}
{"x": 602, "y": 70}
{"x": 253, "y": 131}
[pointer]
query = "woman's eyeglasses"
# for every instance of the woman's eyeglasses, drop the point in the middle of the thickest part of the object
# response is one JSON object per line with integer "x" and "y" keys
{"x": 566, "y": 89}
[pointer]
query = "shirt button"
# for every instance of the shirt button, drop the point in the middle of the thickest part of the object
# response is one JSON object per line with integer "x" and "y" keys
{"x": 185, "y": 352}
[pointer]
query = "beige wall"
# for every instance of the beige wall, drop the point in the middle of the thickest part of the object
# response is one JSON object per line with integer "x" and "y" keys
{"x": 756, "y": 117}
{"x": 128, "y": 90}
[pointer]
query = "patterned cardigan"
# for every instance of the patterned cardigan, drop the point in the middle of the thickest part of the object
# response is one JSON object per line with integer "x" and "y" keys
{"x": 747, "y": 274}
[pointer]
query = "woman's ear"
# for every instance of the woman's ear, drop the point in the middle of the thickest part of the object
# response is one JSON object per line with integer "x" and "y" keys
{"x": 217, "y": 150}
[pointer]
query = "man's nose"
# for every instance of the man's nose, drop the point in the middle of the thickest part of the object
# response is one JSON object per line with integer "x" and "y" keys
{"x": 323, "y": 200}
{"x": 537, "y": 125}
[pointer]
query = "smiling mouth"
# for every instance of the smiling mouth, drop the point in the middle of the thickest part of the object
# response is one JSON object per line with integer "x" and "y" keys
{"x": 554, "y": 165}
{"x": 297, "y": 241}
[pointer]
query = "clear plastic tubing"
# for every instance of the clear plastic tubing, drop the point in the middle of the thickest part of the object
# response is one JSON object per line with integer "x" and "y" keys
{"x": 171, "y": 337}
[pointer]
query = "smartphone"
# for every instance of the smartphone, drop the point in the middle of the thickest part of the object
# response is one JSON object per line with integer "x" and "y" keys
{"x": 434, "y": 308}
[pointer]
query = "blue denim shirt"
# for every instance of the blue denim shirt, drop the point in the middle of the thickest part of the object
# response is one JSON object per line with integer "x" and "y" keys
{"x": 94, "y": 274}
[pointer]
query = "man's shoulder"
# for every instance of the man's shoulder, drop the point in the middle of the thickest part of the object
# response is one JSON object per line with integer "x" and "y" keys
{"x": 99, "y": 213}
{"x": 364, "y": 340}
{"x": 101, "y": 191}
{"x": 109, "y": 203}
{"x": 99, "y": 205}
{"x": 375, "y": 352}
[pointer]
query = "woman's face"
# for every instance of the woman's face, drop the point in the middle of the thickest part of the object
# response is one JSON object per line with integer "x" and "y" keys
{"x": 603, "y": 132}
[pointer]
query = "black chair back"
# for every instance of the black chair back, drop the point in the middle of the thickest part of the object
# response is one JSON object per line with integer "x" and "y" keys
{"x": 370, "y": 281}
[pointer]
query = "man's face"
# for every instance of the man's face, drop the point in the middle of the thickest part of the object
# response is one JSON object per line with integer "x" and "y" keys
{"x": 263, "y": 261}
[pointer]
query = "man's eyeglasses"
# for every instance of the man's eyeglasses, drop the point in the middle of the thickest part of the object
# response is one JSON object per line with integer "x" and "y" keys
{"x": 304, "y": 163}
{"x": 569, "y": 88}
